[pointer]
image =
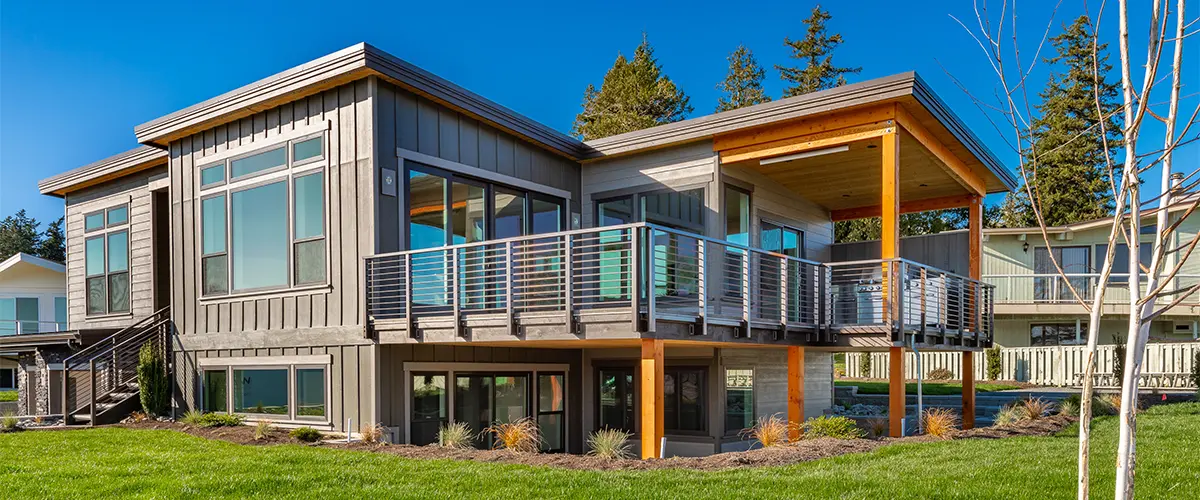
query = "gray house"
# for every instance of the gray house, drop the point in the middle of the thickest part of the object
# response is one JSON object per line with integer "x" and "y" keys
{"x": 356, "y": 240}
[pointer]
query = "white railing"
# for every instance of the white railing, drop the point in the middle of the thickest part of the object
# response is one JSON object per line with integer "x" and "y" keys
{"x": 1167, "y": 365}
{"x": 1055, "y": 289}
{"x": 24, "y": 327}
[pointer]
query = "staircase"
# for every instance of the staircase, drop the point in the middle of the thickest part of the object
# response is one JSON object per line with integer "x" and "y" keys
{"x": 100, "y": 383}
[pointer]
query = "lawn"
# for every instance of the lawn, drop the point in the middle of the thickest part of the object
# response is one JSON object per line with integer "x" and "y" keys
{"x": 8, "y": 396}
{"x": 929, "y": 388}
{"x": 113, "y": 462}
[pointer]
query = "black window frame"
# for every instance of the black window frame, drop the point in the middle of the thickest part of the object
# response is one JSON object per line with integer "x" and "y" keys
{"x": 105, "y": 233}
{"x": 538, "y": 412}
{"x": 637, "y": 207}
{"x": 783, "y": 227}
{"x": 1058, "y": 336}
{"x": 447, "y": 395}
{"x": 674, "y": 372}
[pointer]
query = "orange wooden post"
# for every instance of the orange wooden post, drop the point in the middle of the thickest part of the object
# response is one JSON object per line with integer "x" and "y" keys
{"x": 795, "y": 390}
{"x": 896, "y": 395}
{"x": 975, "y": 250}
{"x": 652, "y": 376}
{"x": 968, "y": 390}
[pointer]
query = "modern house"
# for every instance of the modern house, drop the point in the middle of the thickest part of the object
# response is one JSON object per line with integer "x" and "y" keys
{"x": 33, "y": 299}
{"x": 357, "y": 240}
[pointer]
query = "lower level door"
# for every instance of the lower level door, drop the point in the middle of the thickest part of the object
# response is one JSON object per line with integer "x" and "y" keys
{"x": 482, "y": 400}
{"x": 616, "y": 395}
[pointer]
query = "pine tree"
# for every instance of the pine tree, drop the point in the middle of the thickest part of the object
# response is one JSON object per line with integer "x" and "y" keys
{"x": 1069, "y": 173}
{"x": 18, "y": 233}
{"x": 816, "y": 50}
{"x": 52, "y": 245}
{"x": 635, "y": 95}
{"x": 743, "y": 85}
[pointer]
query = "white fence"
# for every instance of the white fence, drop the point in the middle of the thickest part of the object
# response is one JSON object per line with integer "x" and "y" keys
{"x": 1166, "y": 364}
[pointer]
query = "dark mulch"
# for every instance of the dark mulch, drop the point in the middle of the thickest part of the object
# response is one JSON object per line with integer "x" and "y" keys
{"x": 803, "y": 451}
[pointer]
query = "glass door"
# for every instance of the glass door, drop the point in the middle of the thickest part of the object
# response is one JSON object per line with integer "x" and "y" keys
{"x": 551, "y": 411}
{"x": 616, "y": 399}
{"x": 483, "y": 400}
{"x": 429, "y": 411}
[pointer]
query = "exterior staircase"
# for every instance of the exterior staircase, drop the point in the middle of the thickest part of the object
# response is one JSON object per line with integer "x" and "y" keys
{"x": 100, "y": 383}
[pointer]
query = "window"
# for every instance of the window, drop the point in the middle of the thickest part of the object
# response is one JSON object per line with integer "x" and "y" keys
{"x": 106, "y": 262}
{"x": 215, "y": 395}
{"x": 278, "y": 392}
{"x": 737, "y": 215}
{"x": 1056, "y": 334}
{"x": 310, "y": 393}
{"x": 683, "y": 210}
{"x": 739, "y": 400}
{"x": 616, "y": 399}
{"x": 8, "y": 378}
{"x": 683, "y": 400}
{"x": 261, "y": 391}
{"x": 429, "y": 411}
{"x": 1074, "y": 260}
{"x": 265, "y": 228}
{"x": 782, "y": 239}
{"x": 482, "y": 400}
{"x": 60, "y": 313}
{"x": 1120, "y": 267}
{"x": 19, "y": 315}
{"x": 551, "y": 411}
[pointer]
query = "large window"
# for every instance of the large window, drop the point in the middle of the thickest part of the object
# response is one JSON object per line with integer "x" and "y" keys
{"x": 1120, "y": 263}
{"x": 551, "y": 411}
{"x": 265, "y": 228}
{"x": 1074, "y": 260}
{"x": 683, "y": 210}
{"x": 1056, "y": 334}
{"x": 19, "y": 315}
{"x": 276, "y": 392}
{"x": 737, "y": 215}
{"x": 739, "y": 400}
{"x": 683, "y": 400}
{"x": 260, "y": 391}
{"x": 215, "y": 395}
{"x": 106, "y": 260}
{"x": 782, "y": 239}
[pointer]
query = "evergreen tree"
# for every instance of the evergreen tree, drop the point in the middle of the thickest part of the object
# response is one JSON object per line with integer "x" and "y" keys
{"x": 635, "y": 95}
{"x": 1069, "y": 173}
{"x": 18, "y": 233}
{"x": 52, "y": 245}
{"x": 743, "y": 85}
{"x": 816, "y": 50}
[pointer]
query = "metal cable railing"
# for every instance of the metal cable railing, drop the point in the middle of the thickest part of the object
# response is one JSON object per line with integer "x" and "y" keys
{"x": 110, "y": 364}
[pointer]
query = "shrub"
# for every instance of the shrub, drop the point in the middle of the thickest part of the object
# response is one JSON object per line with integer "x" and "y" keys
{"x": 864, "y": 364}
{"x": 306, "y": 434}
{"x": 1119, "y": 360}
{"x": 941, "y": 373}
{"x": 612, "y": 444}
{"x": 456, "y": 435}
{"x": 192, "y": 417}
{"x": 877, "y": 427}
{"x": 1036, "y": 408}
{"x": 769, "y": 431}
{"x": 521, "y": 435}
{"x": 154, "y": 387}
{"x": 199, "y": 419}
{"x": 262, "y": 429}
{"x": 9, "y": 422}
{"x": 371, "y": 433}
{"x": 832, "y": 426}
{"x": 138, "y": 416}
{"x": 1069, "y": 407}
{"x": 1010, "y": 414}
{"x": 1195, "y": 375}
{"x": 939, "y": 422}
{"x": 993, "y": 363}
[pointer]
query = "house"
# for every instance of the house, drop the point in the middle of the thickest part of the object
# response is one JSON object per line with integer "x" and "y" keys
{"x": 32, "y": 299}
{"x": 356, "y": 240}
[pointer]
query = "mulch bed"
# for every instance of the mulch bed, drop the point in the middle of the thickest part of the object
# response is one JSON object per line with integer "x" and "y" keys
{"x": 803, "y": 451}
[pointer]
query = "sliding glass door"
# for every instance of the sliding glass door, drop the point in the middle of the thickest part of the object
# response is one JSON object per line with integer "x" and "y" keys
{"x": 481, "y": 400}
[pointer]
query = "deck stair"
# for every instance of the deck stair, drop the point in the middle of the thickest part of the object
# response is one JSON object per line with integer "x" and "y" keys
{"x": 100, "y": 383}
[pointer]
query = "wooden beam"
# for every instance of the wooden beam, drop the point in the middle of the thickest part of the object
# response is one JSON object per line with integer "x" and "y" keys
{"x": 948, "y": 161}
{"x": 896, "y": 394}
{"x": 906, "y": 207}
{"x": 975, "y": 228}
{"x": 651, "y": 388}
{"x": 890, "y": 196}
{"x": 808, "y": 142}
{"x": 795, "y": 391}
{"x": 968, "y": 390}
{"x": 806, "y": 126}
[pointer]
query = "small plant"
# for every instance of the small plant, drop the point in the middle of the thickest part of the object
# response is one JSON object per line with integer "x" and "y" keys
{"x": 612, "y": 444}
{"x": 1119, "y": 360}
{"x": 456, "y": 435}
{"x": 838, "y": 427}
{"x": 371, "y": 433}
{"x": 877, "y": 427}
{"x": 306, "y": 434}
{"x": 940, "y": 422}
{"x": 9, "y": 422}
{"x": 941, "y": 373}
{"x": 1195, "y": 375}
{"x": 201, "y": 419}
{"x": 993, "y": 363}
{"x": 138, "y": 416}
{"x": 1106, "y": 404}
{"x": 769, "y": 431}
{"x": 192, "y": 417}
{"x": 1010, "y": 414}
{"x": 262, "y": 430}
{"x": 864, "y": 364}
{"x": 521, "y": 435}
{"x": 154, "y": 386}
{"x": 1036, "y": 408}
{"x": 1069, "y": 407}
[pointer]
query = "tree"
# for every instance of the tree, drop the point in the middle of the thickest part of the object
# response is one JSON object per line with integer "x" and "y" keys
{"x": 816, "y": 50}
{"x": 635, "y": 95}
{"x": 53, "y": 243}
{"x": 743, "y": 85}
{"x": 913, "y": 224}
{"x": 18, "y": 233}
{"x": 1071, "y": 177}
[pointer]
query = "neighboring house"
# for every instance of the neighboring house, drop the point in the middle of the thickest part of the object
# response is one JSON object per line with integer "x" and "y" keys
{"x": 33, "y": 299}
{"x": 356, "y": 240}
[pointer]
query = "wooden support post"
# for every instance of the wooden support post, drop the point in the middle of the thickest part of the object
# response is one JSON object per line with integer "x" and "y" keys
{"x": 968, "y": 390}
{"x": 890, "y": 218}
{"x": 896, "y": 395}
{"x": 975, "y": 254}
{"x": 652, "y": 397}
{"x": 795, "y": 391}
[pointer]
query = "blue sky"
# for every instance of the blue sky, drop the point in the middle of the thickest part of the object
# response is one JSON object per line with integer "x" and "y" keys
{"x": 76, "y": 77}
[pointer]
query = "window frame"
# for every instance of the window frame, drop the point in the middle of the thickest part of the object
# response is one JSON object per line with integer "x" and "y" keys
{"x": 725, "y": 188}
{"x": 1083, "y": 326}
{"x": 105, "y": 233}
{"x": 725, "y": 394}
{"x": 703, "y": 399}
{"x": 292, "y": 400}
{"x": 784, "y": 227}
{"x": 637, "y": 204}
{"x": 288, "y": 173}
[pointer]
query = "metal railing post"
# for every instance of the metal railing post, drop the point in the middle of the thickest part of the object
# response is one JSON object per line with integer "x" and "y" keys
{"x": 899, "y": 300}
{"x": 568, "y": 282}
{"x": 455, "y": 283}
{"x": 410, "y": 319}
{"x": 702, "y": 285}
{"x": 651, "y": 284}
{"x": 747, "y": 284}
{"x": 508, "y": 289}
{"x": 635, "y": 282}
{"x": 92, "y": 392}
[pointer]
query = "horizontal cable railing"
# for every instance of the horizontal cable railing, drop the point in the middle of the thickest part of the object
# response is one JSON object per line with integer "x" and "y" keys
{"x": 106, "y": 366}
{"x": 1056, "y": 289}
{"x": 25, "y": 327}
{"x": 653, "y": 272}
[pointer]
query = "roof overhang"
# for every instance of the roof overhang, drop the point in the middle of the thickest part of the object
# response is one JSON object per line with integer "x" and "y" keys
{"x": 134, "y": 160}
{"x": 1181, "y": 202}
{"x": 24, "y": 259}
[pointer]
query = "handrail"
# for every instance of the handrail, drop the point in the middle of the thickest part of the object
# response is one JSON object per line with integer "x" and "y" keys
{"x": 137, "y": 325}
{"x": 110, "y": 363}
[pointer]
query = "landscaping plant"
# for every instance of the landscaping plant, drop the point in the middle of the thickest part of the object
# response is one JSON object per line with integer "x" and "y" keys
{"x": 838, "y": 427}
{"x": 521, "y": 435}
{"x": 612, "y": 444}
{"x": 9, "y": 422}
{"x": 864, "y": 364}
{"x": 371, "y": 433}
{"x": 455, "y": 435}
{"x": 1010, "y": 414}
{"x": 1036, "y": 408}
{"x": 769, "y": 431}
{"x": 940, "y": 422}
{"x": 993, "y": 363}
{"x": 1069, "y": 407}
{"x": 306, "y": 434}
{"x": 192, "y": 417}
{"x": 262, "y": 430}
{"x": 877, "y": 427}
{"x": 939, "y": 374}
{"x": 201, "y": 419}
{"x": 154, "y": 386}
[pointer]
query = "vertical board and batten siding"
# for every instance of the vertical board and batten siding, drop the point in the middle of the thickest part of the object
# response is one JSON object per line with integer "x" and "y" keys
{"x": 770, "y": 380}
{"x": 134, "y": 190}
{"x": 349, "y": 180}
{"x": 773, "y": 202}
{"x": 408, "y": 121}
{"x": 947, "y": 251}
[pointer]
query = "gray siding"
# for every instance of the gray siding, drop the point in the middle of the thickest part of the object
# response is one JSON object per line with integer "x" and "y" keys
{"x": 946, "y": 251}
{"x": 349, "y": 235}
{"x": 770, "y": 379}
{"x": 406, "y": 120}
{"x": 135, "y": 191}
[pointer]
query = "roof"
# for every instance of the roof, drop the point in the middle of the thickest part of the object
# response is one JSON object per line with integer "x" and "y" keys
{"x": 23, "y": 259}
{"x": 134, "y": 160}
{"x": 1181, "y": 203}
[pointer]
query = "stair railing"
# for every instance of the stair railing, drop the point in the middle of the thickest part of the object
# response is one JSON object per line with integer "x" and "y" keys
{"x": 110, "y": 364}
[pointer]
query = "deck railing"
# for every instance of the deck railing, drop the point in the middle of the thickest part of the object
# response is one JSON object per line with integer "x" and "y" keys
{"x": 655, "y": 273}
{"x": 1055, "y": 289}
{"x": 24, "y": 327}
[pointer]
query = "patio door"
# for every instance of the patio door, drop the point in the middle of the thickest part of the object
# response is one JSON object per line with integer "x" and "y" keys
{"x": 1074, "y": 260}
{"x": 615, "y": 393}
{"x": 481, "y": 400}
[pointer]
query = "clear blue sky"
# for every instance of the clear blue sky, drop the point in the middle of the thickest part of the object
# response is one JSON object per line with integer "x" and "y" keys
{"x": 76, "y": 78}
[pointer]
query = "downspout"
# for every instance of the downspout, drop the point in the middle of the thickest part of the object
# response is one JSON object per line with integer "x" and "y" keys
{"x": 920, "y": 376}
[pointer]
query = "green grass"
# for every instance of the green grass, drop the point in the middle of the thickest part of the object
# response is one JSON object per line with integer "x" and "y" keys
{"x": 929, "y": 388}
{"x": 8, "y": 396}
{"x": 112, "y": 462}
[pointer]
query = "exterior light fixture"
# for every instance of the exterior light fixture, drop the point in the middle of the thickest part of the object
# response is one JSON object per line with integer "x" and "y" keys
{"x": 1025, "y": 247}
{"x": 806, "y": 154}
